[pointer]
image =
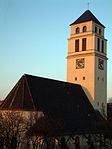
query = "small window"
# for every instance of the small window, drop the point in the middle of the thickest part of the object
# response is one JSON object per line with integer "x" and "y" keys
{"x": 97, "y": 103}
{"x": 77, "y": 45}
{"x": 84, "y": 28}
{"x": 102, "y": 79}
{"x": 100, "y": 31}
{"x": 77, "y": 30}
{"x": 103, "y": 105}
{"x": 95, "y": 29}
{"x": 75, "y": 78}
{"x": 84, "y": 44}
{"x": 98, "y": 78}
{"x": 83, "y": 78}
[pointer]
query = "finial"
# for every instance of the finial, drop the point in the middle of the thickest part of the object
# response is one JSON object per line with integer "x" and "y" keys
{"x": 88, "y": 5}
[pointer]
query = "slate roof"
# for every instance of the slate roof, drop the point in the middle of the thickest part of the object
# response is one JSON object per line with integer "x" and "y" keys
{"x": 1, "y": 101}
{"x": 62, "y": 100}
{"x": 87, "y": 16}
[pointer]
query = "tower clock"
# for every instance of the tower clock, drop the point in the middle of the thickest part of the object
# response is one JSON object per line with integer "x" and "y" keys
{"x": 80, "y": 63}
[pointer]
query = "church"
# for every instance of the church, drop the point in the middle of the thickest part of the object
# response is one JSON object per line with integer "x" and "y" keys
{"x": 81, "y": 101}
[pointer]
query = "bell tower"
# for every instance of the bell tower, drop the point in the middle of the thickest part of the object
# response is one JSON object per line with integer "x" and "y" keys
{"x": 87, "y": 59}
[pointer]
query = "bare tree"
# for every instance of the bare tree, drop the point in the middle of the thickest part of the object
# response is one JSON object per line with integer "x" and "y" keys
{"x": 12, "y": 125}
{"x": 45, "y": 128}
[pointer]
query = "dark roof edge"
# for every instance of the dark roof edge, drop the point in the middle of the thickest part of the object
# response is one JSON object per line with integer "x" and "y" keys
{"x": 86, "y": 21}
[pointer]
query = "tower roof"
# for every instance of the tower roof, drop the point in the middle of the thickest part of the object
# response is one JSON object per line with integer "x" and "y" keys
{"x": 87, "y": 16}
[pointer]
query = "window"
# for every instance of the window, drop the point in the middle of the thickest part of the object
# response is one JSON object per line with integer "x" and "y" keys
{"x": 103, "y": 104}
{"x": 77, "y": 30}
{"x": 98, "y": 104}
{"x": 75, "y": 78}
{"x": 77, "y": 45}
{"x": 102, "y": 49}
{"x": 84, "y": 28}
{"x": 98, "y": 44}
{"x": 100, "y": 31}
{"x": 83, "y": 78}
{"x": 95, "y": 29}
{"x": 84, "y": 44}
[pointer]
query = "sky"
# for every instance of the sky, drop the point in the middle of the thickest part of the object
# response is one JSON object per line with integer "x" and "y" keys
{"x": 34, "y": 33}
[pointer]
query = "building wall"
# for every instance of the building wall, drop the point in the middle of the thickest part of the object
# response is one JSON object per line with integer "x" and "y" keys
{"x": 101, "y": 87}
{"x": 92, "y": 78}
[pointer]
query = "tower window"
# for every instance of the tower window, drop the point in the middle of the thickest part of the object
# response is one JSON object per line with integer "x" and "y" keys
{"x": 95, "y": 29}
{"x": 83, "y": 78}
{"x": 98, "y": 44}
{"x": 77, "y": 30}
{"x": 84, "y": 44}
{"x": 77, "y": 45}
{"x": 84, "y": 28}
{"x": 75, "y": 78}
{"x": 100, "y": 31}
{"x": 102, "y": 49}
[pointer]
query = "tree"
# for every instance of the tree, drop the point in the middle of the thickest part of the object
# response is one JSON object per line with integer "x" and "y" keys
{"x": 12, "y": 125}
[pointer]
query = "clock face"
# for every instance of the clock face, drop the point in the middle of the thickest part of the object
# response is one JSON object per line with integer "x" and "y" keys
{"x": 101, "y": 64}
{"x": 80, "y": 63}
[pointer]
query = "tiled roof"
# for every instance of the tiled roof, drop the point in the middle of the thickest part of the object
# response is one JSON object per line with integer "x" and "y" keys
{"x": 61, "y": 100}
{"x": 87, "y": 16}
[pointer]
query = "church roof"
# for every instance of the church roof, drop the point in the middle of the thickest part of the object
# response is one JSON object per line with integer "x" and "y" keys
{"x": 62, "y": 100}
{"x": 87, "y": 16}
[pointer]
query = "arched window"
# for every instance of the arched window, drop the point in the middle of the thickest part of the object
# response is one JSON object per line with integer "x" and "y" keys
{"x": 84, "y": 28}
{"x": 77, "y": 30}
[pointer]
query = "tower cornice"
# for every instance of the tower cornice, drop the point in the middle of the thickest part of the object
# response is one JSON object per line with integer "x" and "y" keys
{"x": 93, "y": 53}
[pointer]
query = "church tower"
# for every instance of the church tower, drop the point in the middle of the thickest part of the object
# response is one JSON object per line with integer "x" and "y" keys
{"x": 87, "y": 59}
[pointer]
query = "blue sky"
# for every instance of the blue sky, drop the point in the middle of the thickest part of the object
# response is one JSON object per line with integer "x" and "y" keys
{"x": 34, "y": 33}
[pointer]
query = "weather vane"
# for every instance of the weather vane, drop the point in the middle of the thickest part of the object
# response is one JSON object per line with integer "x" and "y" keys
{"x": 88, "y": 5}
